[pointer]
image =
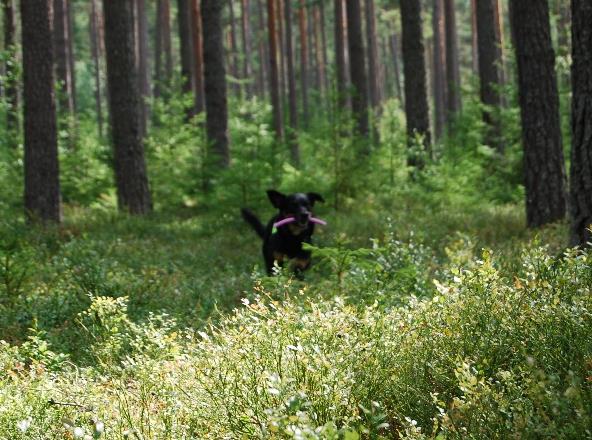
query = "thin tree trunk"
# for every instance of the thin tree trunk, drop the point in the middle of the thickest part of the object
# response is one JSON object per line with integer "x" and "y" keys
{"x": 62, "y": 57}
{"x": 274, "y": 70}
{"x": 318, "y": 38}
{"x": 11, "y": 83}
{"x": 357, "y": 68}
{"x": 167, "y": 43}
{"x": 198, "y": 78}
{"x": 185, "y": 36}
{"x": 340, "y": 44}
{"x": 158, "y": 52}
{"x": 499, "y": 24}
{"x": 263, "y": 49}
{"x": 373, "y": 70}
{"x": 215, "y": 83}
{"x": 234, "y": 49}
{"x": 246, "y": 37}
{"x": 95, "y": 48}
{"x": 281, "y": 48}
{"x": 452, "y": 67}
{"x": 544, "y": 167}
{"x": 474, "y": 38}
{"x": 416, "y": 102}
{"x": 489, "y": 69}
{"x": 324, "y": 45}
{"x": 581, "y": 153}
{"x": 394, "y": 45}
{"x": 292, "y": 98}
{"x": 163, "y": 62}
{"x": 133, "y": 193}
{"x": 42, "y": 183}
{"x": 439, "y": 71}
{"x": 303, "y": 58}
{"x": 143, "y": 62}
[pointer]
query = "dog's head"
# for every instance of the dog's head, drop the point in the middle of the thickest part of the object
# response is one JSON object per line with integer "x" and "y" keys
{"x": 297, "y": 205}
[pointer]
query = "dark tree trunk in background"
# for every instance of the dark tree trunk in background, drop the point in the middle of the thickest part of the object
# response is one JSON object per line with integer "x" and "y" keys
{"x": 581, "y": 154}
{"x": 198, "y": 78}
{"x": 340, "y": 44}
{"x": 394, "y": 47}
{"x": 324, "y": 45}
{"x": 274, "y": 71}
{"x": 133, "y": 193}
{"x": 357, "y": 67}
{"x": 318, "y": 38}
{"x": 143, "y": 62}
{"x": 544, "y": 167}
{"x": 292, "y": 98}
{"x": 439, "y": 69}
{"x": 279, "y": 20}
{"x": 246, "y": 38}
{"x": 95, "y": 49}
{"x": 185, "y": 37}
{"x": 42, "y": 184}
{"x": 215, "y": 82}
{"x": 303, "y": 58}
{"x": 158, "y": 52}
{"x": 234, "y": 48}
{"x": 11, "y": 82}
{"x": 71, "y": 54}
{"x": 163, "y": 62}
{"x": 452, "y": 66}
{"x": 62, "y": 56}
{"x": 490, "y": 59}
{"x": 372, "y": 45}
{"x": 474, "y": 38}
{"x": 263, "y": 48}
{"x": 416, "y": 101}
{"x": 167, "y": 43}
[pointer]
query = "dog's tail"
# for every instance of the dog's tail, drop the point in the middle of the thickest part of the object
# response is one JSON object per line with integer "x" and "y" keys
{"x": 254, "y": 221}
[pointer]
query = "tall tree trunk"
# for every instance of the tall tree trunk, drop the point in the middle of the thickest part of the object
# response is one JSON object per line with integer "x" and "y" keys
{"x": 544, "y": 167}
{"x": 581, "y": 153}
{"x": 452, "y": 66}
{"x": 143, "y": 62}
{"x": 234, "y": 69}
{"x": 167, "y": 43}
{"x": 340, "y": 44}
{"x": 324, "y": 45}
{"x": 215, "y": 82}
{"x": 394, "y": 45}
{"x": 474, "y": 38}
{"x": 373, "y": 70}
{"x": 489, "y": 69}
{"x": 11, "y": 83}
{"x": 62, "y": 57}
{"x": 95, "y": 48}
{"x": 303, "y": 58}
{"x": 357, "y": 67}
{"x": 158, "y": 52}
{"x": 163, "y": 61}
{"x": 318, "y": 39}
{"x": 292, "y": 98}
{"x": 274, "y": 70}
{"x": 42, "y": 183}
{"x": 246, "y": 38}
{"x": 279, "y": 19}
{"x": 131, "y": 178}
{"x": 71, "y": 53}
{"x": 185, "y": 37}
{"x": 198, "y": 78}
{"x": 416, "y": 102}
{"x": 263, "y": 48}
{"x": 439, "y": 69}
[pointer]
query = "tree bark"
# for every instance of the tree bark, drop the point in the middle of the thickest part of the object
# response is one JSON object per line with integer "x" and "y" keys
{"x": 11, "y": 82}
{"x": 198, "y": 75}
{"x": 234, "y": 69}
{"x": 292, "y": 98}
{"x": 246, "y": 39}
{"x": 439, "y": 69}
{"x": 42, "y": 184}
{"x": 325, "y": 56}
{"x": 340, "y": 65}
{"x": 373, "y": 70}
{"x": 474, "y": 38}
{"x": 274, "y": 71}
{"x": 95, "y": 48}
{"x": 215, "y": 82}
{"x": 416, "y": 102}
{"x": 167, "y": 44}
{"x": 303, "y": 58}
{"x": 581, "y": 153}
{"x": 62, "y": 57}
{"x": 357, "y": 67}
{"x": 131, "y": 178}
{"x": 185, "y": 37}
{"x": 263, "y": 49}
{"x": 394, "y": 45}
{"x": 143, "y": 62}
{"x": 544, "y": 167}
{"x": 319, "y": 49}
{"x": 452, "y": 67}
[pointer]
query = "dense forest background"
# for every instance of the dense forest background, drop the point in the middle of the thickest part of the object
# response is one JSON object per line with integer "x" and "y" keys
{"x": 451, "y": 141}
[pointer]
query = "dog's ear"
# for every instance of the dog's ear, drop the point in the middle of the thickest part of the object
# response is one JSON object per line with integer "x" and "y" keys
{"x": 315, "y": 197}
{"x": 276, "y": 198}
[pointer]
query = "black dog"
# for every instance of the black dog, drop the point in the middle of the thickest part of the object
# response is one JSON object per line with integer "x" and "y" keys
{"x": 286, "y": 231}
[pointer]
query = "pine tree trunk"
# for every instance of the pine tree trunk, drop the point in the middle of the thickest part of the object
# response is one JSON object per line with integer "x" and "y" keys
{"x": 42, "y": 184}
{"x": 416, "y": 102}
{"x": 581, "y": 153}
{"x": 489, "y": 69}
{"x": 357, "y": 67}
{"x": 246, "y": 38}
{"x": 61, "y": 56}
{"x": 544, "y": 170}
{"x": 394, "y": 45}
{"x": 215, "y": 82}
{"x": 143, "y": 62}
{"x": 234, "y": 49}
{"x": 131, "y": 178}
{"x": 11, "y": 82}
{"x": 167, "y": 43}
{"x": 325, "y": 56}
{"x": 71, "y": 57}
{"x": 158, "y": 52}
{"x": 373, "y": 70}
{"x": 320, "y": 62}
{"x": 452, "y": 66}
{"x": 283, "y": 69}
{"x": 474, "y": 38}
{"x": 340, "y": 44}
{"x": 303, "y": 58}
{"x": 185, "y": 37}
{"x": 95, "y": 48}
{"x": 439, "y": 69}
{"x": 263, "y": 47}
{"x": 292, "y": 98}
{"x": 198, "y": 79}
{"x": 274, "y": 84}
